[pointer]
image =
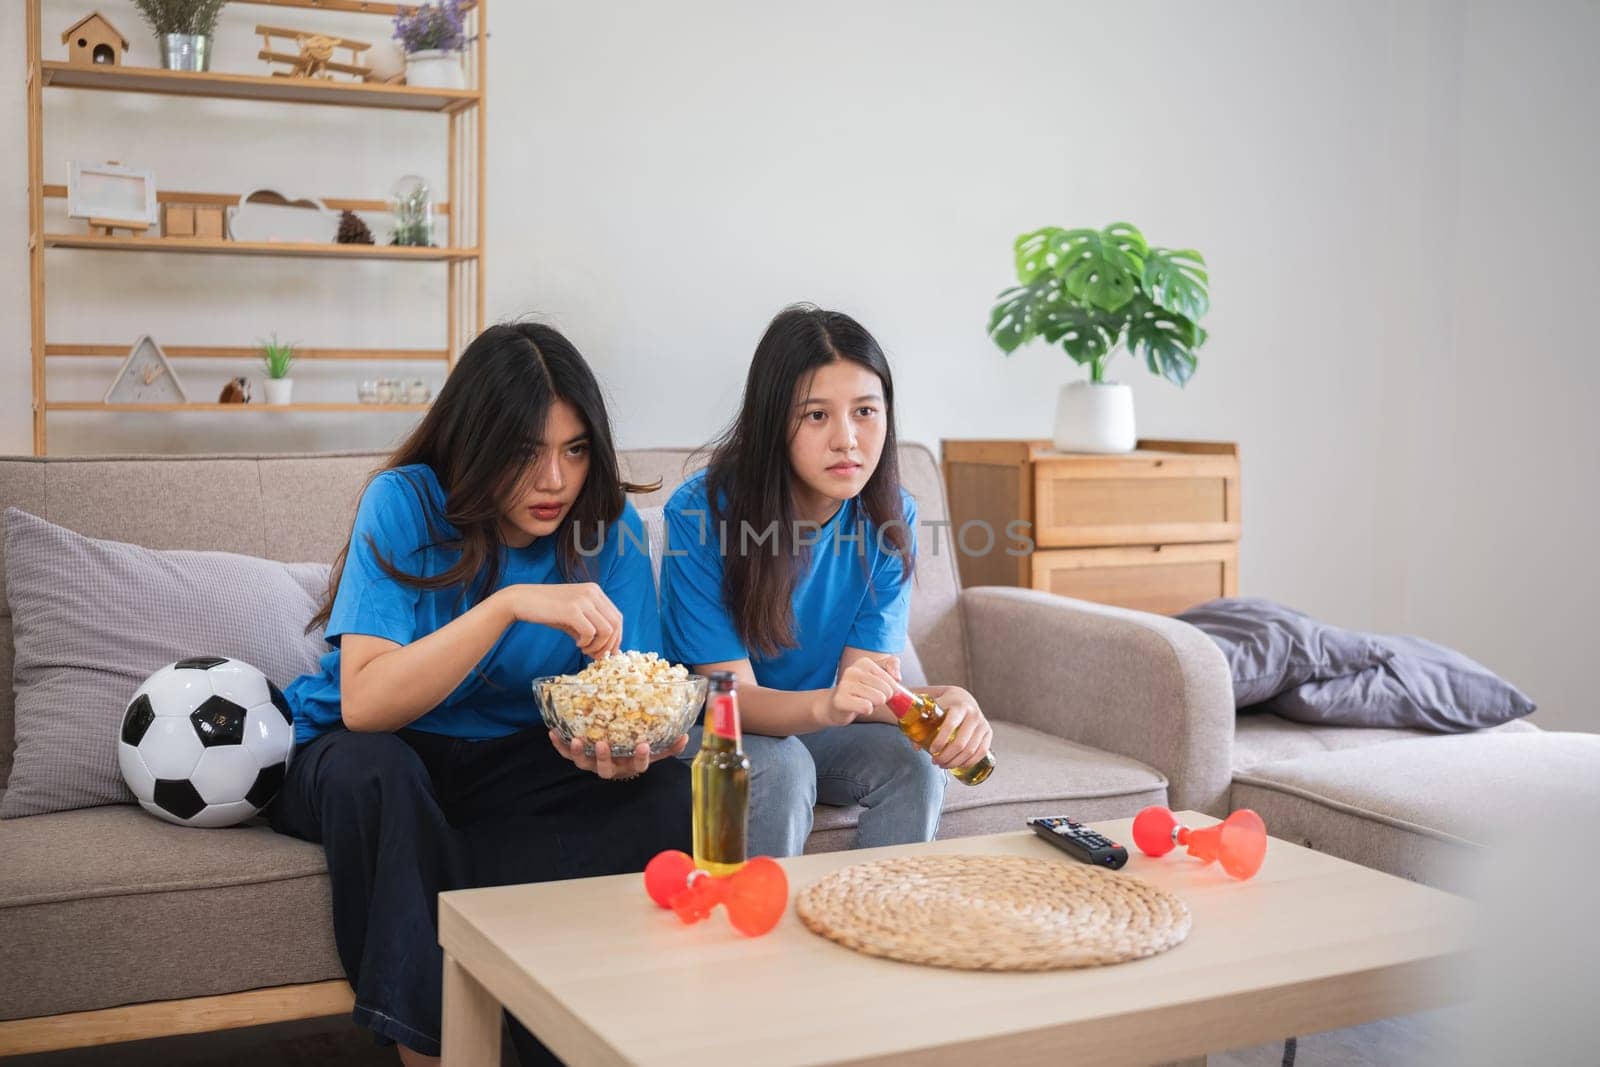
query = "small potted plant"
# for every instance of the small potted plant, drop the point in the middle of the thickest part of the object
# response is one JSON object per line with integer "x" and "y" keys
{"x": 276, "y": 359}
{"x": 185, "y": 29}
{"x": 1093, "y": 291}
{"x": 433, "y": 36}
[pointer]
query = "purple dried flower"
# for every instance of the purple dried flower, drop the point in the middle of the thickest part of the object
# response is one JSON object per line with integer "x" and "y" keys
{"x": 432, "y": 27}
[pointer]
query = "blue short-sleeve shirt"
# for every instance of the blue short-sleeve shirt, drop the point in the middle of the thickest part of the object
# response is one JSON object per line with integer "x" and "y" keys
{"x": 401, "y": 517}
{"x": 850, "y": 594}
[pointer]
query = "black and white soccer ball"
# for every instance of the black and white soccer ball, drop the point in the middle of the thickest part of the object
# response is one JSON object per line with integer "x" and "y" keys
{"x": 206, "y": 742}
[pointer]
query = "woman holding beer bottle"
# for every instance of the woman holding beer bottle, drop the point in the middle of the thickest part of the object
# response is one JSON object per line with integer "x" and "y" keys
{"x": 788, "y": 563}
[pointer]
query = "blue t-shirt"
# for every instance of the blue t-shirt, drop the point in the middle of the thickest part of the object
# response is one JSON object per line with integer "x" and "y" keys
{"x": 850, "y": 594}
{"x": 496, "y": 699}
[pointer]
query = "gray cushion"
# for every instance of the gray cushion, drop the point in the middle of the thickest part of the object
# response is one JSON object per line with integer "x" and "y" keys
{"x": 1418, "y": 684}
{"x": 1035, "y": 774}
{"x": 1271, "y": 648}
{"x": 1262, "y": 737}
{"x": 1311, "y": 672}
{"x": 108, "y": 906}
{"x": 94, "y": 618}
{"x": 1422, "y": 808}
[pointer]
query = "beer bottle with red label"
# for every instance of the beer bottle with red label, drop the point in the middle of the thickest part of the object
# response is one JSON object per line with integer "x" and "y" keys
{"x": 920, "y": 719}
{"x": 720, "y": 779}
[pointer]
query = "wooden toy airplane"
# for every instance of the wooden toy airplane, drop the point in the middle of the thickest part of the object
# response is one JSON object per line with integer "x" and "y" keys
{"x": 316, "y": 54}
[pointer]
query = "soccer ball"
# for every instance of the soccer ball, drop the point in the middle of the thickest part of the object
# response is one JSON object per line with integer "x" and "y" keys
{"x": 206, "y": 742}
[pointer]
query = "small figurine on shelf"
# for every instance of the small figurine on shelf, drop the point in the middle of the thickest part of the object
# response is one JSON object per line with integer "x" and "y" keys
{"x": 93, "y": 42}
{"x": 277, "y": 358}
{"x": 315, "y": 59}
{"x": 411, "y": 203}
{"x": 352, "y": 231}
{"x": 237, "y": 391}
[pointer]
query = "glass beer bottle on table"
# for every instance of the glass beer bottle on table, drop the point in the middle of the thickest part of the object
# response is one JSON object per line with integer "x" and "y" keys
{"x": 720, "y": 779}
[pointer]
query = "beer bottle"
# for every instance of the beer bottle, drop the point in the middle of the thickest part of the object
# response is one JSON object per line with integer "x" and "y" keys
{"x": 920, "y": 719}
{"x": 720, "y": 778}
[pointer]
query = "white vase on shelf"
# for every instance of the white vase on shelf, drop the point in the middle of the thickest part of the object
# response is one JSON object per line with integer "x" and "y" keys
{"x": 434, "y": 69}
{"x": 1095, "y": 417}
{"x": 278, "y": 390}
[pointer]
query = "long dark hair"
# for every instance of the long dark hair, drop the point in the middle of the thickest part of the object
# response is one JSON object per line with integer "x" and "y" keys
{"x": 478, "y": 438}
{"x": 750, "y": 478}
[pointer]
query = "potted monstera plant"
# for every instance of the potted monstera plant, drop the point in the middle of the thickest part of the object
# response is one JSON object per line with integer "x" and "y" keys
{"x": 1095, "y": 292}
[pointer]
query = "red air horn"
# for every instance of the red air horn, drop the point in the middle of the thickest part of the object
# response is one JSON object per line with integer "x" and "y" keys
{"x": 1239, "y": 841}
{"x": 756, "y": 895}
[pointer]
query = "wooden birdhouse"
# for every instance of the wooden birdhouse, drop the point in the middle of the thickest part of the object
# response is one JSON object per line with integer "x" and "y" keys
{"x": 93, "y": 42}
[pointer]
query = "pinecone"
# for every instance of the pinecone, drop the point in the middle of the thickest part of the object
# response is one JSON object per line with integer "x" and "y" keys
{"x": 352, "y": 231}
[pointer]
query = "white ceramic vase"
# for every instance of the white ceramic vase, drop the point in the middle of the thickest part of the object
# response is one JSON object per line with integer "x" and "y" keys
{"x": 435, "y": 70}
{"x": 278, "y": 390}
{"x": 1094, "y": 417}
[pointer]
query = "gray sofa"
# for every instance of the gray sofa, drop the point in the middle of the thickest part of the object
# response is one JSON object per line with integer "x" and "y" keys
{"x": 1099, "y": 711}
{"x": 109, "y": 906}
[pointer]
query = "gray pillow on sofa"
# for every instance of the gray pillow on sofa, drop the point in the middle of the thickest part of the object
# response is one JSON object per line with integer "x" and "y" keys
{"x": 1417, "y": 684}
{"x": 1293, "y": 665}
{"x": 91, "y": 619}
{"x": 1271, "y": 648}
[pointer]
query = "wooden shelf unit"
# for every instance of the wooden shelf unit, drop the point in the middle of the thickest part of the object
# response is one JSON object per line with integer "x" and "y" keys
{"x": 216, "y": 86}
{"x": 1156, "y": 529}
{"x": 460, "y": 217}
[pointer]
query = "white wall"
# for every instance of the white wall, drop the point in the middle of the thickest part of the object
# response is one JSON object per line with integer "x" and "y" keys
{"x": 1387, "y": 194}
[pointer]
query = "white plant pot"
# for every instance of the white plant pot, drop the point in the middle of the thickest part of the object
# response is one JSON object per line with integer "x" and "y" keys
{"x": 435, "y": 70}
{"x": 278, "y": 390}
{"x": 1095, "y": 418}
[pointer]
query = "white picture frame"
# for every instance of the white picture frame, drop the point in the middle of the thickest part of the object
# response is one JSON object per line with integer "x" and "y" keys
{"x": 110, "y": 191}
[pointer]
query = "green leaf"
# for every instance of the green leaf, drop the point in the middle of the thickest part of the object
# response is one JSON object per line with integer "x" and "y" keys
{"x": 1100, "y": 267}
{"x": 1035, "y": 253}
{"x": 1014, "y": 321}
{"x": 1177, "y": 281}
{"x": 1166, "y": 340}
{"x": 1085, "y": 333}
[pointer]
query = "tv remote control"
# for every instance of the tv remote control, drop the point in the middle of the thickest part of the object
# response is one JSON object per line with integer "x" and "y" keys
{"x": 1078, "y": 841}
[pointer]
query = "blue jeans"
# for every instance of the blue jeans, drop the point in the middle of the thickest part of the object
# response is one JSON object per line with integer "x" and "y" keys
{"x": 868, "y": 763}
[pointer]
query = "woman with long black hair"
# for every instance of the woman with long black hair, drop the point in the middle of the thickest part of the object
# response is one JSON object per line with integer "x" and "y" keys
{"x": 421, "y": 764}
{"x": 789, "y": 562}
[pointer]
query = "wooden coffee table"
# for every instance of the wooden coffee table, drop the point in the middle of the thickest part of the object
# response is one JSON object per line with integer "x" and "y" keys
{"x": 602, "y": 976}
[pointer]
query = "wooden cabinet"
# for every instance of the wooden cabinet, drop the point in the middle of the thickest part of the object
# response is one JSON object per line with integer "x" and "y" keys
{"x": 1155, "y": 529}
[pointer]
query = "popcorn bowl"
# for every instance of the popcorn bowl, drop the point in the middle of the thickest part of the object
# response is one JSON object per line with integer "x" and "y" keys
{"x": 624, "y": 714}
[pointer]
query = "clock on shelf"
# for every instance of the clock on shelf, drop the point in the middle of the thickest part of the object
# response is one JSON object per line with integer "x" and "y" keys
{"x": 146, "y": 377}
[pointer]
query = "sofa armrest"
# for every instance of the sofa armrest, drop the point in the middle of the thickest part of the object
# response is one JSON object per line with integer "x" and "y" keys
{"x": 1138, "y": 685}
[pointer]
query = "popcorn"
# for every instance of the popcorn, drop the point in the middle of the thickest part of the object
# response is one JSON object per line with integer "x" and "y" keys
{"x": 623, "y": 699}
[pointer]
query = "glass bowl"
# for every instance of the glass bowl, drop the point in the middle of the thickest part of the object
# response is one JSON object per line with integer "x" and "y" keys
{"x": 657, "y": 713}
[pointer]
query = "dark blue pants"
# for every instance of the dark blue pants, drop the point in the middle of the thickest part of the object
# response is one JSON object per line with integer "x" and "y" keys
{"x": 405, "y": 816}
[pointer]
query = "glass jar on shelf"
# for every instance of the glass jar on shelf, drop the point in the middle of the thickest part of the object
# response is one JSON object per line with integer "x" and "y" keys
{"x": 367, "y": 391}
{"x": 387, "y": 391}
{"x": 417, "y": 391}
{"x": 411, "y": 208}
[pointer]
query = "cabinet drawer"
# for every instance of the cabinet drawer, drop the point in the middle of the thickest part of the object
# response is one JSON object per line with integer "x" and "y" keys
{"x": 1164, "y": 579}
{"x": 1136, "y": 500}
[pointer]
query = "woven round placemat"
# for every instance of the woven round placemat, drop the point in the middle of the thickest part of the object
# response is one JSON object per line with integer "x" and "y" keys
{"x": 993, "y": 913}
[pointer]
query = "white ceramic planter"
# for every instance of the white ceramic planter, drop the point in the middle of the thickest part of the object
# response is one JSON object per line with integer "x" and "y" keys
{"x": 278, "y": 390}
{"x": 435, "y": 70}
{"x": 1095, "y": 418}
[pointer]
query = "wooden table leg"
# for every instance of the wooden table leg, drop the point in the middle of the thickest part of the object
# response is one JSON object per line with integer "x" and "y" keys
{"x": 471, "y": 1020}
